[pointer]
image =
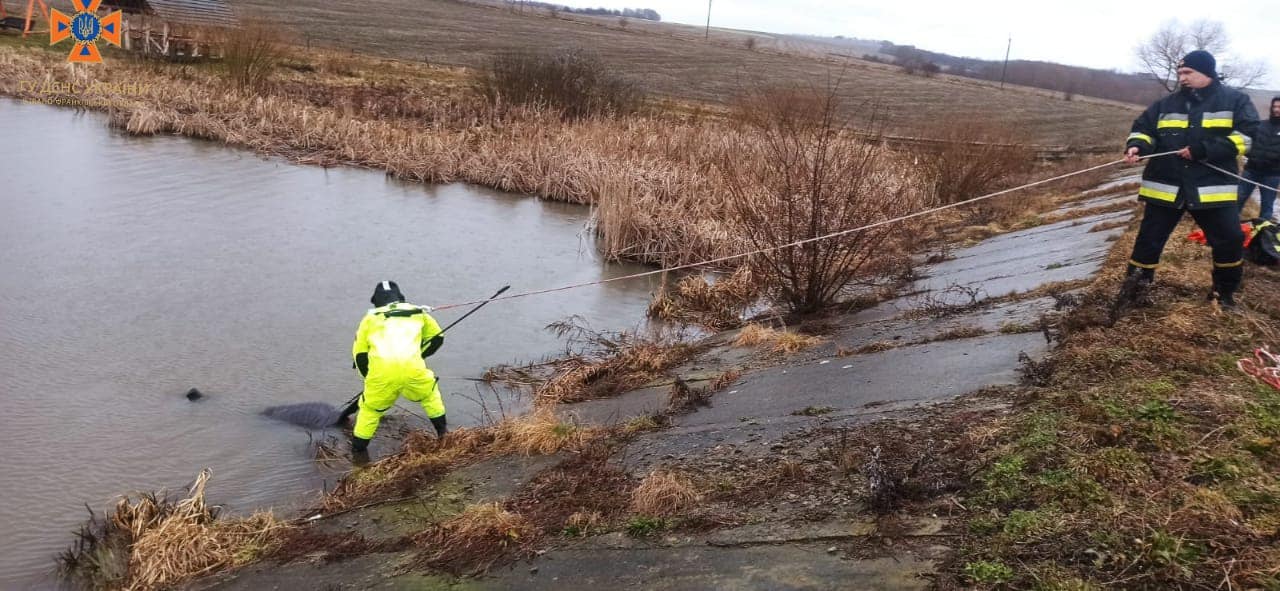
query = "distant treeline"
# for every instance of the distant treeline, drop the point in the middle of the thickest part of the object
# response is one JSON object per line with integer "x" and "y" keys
{"x": 1069, "y": 80}
{"x": 648, "y": 14}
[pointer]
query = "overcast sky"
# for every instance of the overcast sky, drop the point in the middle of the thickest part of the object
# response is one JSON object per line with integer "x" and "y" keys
{"x": 1092, "y": 33}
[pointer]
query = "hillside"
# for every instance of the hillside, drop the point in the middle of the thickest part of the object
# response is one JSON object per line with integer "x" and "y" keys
{"x": 674, "y": 61}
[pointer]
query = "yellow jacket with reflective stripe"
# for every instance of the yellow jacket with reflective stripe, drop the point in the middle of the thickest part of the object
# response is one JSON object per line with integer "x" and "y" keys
{"x": 1217, "y": 123}
{"x": 395, "y": 334}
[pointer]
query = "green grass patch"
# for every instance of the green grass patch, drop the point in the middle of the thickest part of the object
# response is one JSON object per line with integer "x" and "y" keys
{"x": 1006, "y": 481}
{"x": 642, "y": 526}
{"x": 987, "y": 572}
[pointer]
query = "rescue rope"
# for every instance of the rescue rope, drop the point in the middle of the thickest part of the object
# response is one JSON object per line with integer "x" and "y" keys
{"x": 1229, "y": 173}
{"x": 805, "y": 241}
{"x": 1264, "y": 367}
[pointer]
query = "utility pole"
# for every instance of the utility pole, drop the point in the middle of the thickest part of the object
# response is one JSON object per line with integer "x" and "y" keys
{"x": 1005, "y": 70}
{"x": 708, "y": 34}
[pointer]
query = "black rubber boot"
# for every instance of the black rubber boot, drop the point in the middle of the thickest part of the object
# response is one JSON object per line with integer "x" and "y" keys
{"x": 441, "y": 425}
{"x": 1137, "y": 286}
{"x": 359, "y": 449}
{"x": 1226, "y": 282}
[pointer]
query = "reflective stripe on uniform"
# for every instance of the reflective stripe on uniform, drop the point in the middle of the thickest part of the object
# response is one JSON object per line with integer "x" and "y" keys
{"x": 1140, "y": 136}
{"x": 1144, "y": 265}
{"x": 1217, "y": 193}
{"x": 1177, "y": 120}
{"x": 1241, "y": 141}
{"x": 1158, "y": 191}
{"x": 1218, "y": 119}
{"x": 1229, "y": 265}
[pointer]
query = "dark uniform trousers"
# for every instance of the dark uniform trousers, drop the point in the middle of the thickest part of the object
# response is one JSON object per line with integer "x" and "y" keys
{"x": 1221, "y": 227}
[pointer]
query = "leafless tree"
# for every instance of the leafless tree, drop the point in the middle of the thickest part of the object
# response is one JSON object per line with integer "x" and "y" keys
{"x": 804, "y": 175}
{"x": 1160, "y": 54}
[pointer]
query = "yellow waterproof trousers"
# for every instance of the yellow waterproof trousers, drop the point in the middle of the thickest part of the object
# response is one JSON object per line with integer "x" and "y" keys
{"x": 384, "y": 385}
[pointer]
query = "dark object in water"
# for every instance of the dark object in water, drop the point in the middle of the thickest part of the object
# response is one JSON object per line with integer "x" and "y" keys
{"x": 312, "y": 415}
{"x": 194, "y": 395}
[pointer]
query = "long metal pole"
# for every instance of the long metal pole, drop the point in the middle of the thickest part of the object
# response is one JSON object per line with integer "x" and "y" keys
{"x": 1006, "y": 61}
{"x": 707, "y": 36}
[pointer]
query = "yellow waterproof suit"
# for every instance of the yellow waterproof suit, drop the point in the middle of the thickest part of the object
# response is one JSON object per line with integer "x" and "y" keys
{"x": 395, "y": 337}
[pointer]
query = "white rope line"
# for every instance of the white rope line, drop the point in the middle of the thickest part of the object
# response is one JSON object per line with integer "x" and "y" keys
{"x": 805, "y": 241}
{"x": 1229, "y": 173}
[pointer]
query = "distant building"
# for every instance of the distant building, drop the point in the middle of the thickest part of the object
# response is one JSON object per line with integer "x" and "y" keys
{"x": 174, "y": 28}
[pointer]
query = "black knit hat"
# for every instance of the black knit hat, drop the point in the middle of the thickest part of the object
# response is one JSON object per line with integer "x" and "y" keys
{"x": 385, "y": 293}
{"x": 1201, "y": 61}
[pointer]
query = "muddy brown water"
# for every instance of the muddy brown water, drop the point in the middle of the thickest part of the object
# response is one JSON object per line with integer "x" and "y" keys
{"x": 132, "y": 269}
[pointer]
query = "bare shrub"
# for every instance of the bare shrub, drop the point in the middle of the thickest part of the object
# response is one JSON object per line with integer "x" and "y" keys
{"x": 250, "y": 53}
{"x": 973, "y": 158}
{"x": 573, "y": 83}
{"x": 806, "y": 176}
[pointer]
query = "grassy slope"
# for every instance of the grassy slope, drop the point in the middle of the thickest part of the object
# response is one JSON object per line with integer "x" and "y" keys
{"x": 1142, "y": 458}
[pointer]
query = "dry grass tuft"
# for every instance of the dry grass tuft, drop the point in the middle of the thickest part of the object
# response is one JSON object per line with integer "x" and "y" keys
{"x": 542, "y": 432}
{"x": 476, "y": 539}
{"x": 776, "y": 341}
{"x": 157, "y": 542}
{"x": 790, "y": 342}
{"x": 663, "y": 494}
{"x": 753, "y": 335}
{"x": 584, "y": 522}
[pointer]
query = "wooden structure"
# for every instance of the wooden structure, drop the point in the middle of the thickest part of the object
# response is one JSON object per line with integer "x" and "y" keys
{"x": 174, "y": 28}
{"x": 14, "y": 22}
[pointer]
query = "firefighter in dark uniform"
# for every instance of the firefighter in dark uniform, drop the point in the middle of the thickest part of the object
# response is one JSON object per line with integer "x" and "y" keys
{"x": 1205, "y": 122}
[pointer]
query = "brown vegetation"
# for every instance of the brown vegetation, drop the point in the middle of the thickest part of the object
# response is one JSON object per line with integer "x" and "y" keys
{"x": 423, "y": 458}
{"x": 474, "y": 540}
{"x": 717, "y": 305}
{"x": 609, "y": 364}
{"x": 581, "y": 494}
{"x": 158, "y": 541}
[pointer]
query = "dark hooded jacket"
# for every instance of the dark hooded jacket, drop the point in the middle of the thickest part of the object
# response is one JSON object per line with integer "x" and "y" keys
{"x": 1264, "y": 157}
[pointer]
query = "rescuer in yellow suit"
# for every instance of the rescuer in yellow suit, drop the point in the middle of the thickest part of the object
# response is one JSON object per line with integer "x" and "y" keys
{"x": 390, "y": 351}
